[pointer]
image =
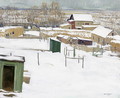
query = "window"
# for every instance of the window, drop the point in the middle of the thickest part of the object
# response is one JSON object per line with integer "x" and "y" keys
{"x": 7, "y": 35}
{"x": 13, "y": 33}
{"x": 98, "y": 40}
{"x": 86, "y": 23}
{"x": 112, "y": 34}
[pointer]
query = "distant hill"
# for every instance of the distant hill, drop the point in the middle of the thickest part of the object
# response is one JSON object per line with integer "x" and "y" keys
{"x": 68, "y": 4}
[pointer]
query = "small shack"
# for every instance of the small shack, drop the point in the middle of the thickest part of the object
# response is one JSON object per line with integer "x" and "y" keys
{"x": 82, "y": 41}
{"x": 11, "y": 73}
{"x": 55, "y": 45}
{"x": 101, "y": 35}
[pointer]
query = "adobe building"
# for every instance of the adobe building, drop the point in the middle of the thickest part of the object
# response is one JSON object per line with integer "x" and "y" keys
{"x": 77, "y": 20}
{"x": 11, "y": 31}
{"x": 101, "y": 35}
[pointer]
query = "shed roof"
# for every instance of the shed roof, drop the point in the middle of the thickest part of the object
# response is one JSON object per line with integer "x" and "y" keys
{"x": 12, "y": 58}
{"x": 101, "y": 31}
{"x": 116, "y": 37}
{"x": 79, "y": 38}
{"x": 82, "y": 17}
{"x": 65, "y": 24}
{"x": 60, "y": 35}
{"x": 55, "y": 39}
{"x": 116, "y": 41}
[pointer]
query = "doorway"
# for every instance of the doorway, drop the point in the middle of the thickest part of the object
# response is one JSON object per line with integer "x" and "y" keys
{"x": 8, "y": 78}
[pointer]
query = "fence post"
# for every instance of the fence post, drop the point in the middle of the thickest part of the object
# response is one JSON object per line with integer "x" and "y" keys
{"x": 83, "y": 62}
{"x": 78, "y": 59}
{"x": 65, "y": 61}
{"x": 93, "y": 52}
{"x": 38, "y": 58}
{"x": 74, "y": 52}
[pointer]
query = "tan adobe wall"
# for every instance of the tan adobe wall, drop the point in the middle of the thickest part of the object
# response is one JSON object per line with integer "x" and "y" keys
{"x": 14, "y": 32}
{"x": 99, "y": 40}
{"x": 115, "y": 47}
{"x": 88, "y": 28}
{"x": 80, "y": 23}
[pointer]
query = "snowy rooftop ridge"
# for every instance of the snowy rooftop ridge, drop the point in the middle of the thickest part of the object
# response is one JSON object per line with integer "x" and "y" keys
{"x": 82, "y": 17}
{"x": 9, "y": 27}
{"x": 12, "y": 58}
{"x": 101, "y": 31}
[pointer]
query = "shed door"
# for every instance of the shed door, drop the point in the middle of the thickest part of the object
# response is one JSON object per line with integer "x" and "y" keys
{"x": 8, "y": 78}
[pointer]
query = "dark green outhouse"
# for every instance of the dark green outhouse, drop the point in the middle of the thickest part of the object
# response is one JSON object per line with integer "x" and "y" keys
{"x": 11, "y": 73}
{"x": 55, "y": 45}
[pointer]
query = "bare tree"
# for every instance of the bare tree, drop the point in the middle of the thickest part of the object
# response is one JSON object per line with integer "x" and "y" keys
{"x": 52, "y": 14}
{"x": 1, "y": 18}
{"x": 56, "y": 14}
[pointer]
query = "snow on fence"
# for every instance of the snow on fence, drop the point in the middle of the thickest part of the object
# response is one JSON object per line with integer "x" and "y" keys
{"x": 67, "y": 54}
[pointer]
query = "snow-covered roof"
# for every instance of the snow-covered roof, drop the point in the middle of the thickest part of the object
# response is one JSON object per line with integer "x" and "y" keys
{"x": 66, "y": 37}
{"x": 2, "y": 29}
{"x": 89, "y": 26}
{"x": 116, "y": 39}
{"x": 79, "y": 27}
{"x": 60, "y": 35}
{"x": 71, "y": 20}
{"x": 12, "y": 58}
{"x": 55, "y": 39}
{"x": 72, "y": 30}
{"x": 65, "y": 24}
{"x": 82, "y": 17}
{"x": 84, "y": 39}
{"x": 81, "y": 38}
{"x": 101, "y": 31}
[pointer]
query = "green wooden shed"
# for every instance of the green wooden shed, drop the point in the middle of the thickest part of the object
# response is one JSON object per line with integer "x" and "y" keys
{"x": 11, "y": 73}
{"x": 55, "y": 45}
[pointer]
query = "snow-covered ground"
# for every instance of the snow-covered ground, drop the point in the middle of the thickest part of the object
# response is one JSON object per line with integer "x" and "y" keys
{"x": 34, "y": 33}
{"x": 100, "y": 77}
{"x": 24, "y": 43}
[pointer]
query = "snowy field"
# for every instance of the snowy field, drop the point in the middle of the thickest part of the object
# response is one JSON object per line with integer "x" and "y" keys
{"x": 100, "y": 77}
{"x": 24, "y": 43}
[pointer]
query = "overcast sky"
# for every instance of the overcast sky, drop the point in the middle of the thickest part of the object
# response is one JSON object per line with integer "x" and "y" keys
{"x": 89, "y": 4}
